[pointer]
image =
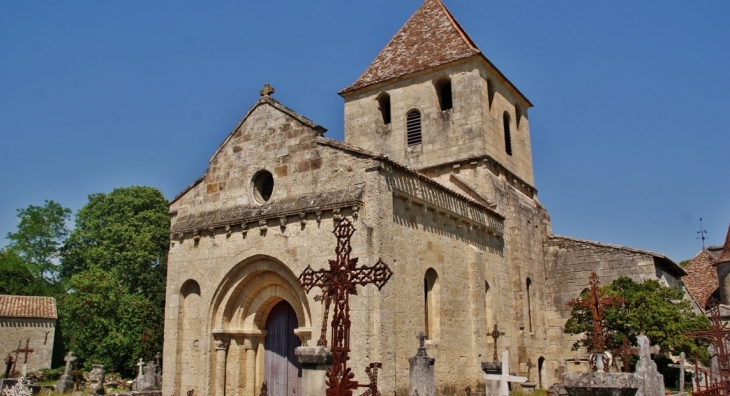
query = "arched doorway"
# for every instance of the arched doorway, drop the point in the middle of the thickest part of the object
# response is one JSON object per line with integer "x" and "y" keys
{"x": 282, "y": 371}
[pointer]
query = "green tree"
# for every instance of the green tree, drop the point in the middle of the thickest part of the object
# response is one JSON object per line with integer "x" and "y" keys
{"x": 17, "y": 276}
{"x": 104, "y": 323}
{"x": 41, "y": 232}
{"x": 126, "y": 233}
{"x": 656, "y": 311}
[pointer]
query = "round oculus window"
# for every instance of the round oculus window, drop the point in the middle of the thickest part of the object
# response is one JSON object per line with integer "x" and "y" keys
{"x": 263, "y": 186}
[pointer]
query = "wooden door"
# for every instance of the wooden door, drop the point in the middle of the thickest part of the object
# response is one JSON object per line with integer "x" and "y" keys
{"x": 283, "y": 372}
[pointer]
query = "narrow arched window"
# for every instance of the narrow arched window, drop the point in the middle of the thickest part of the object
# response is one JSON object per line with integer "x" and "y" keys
{"x": 529, "y": 306}
{"x": 431, "y": 304}
{"x": 487, "y": 305}
{"x": 490, "y": 93}
{"x": 384, "y": 107}
{"x": 413, "y": 127}
{"x": 443, "y": 90}
{"x": 507, "y": 134}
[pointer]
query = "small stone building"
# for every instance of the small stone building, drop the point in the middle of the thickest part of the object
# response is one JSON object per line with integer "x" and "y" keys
{"x": 27, "y": 330}
{"x": 436, "y": 175}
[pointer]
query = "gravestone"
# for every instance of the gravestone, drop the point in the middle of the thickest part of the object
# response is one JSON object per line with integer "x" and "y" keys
{"x": 423, "y": 380}
{"x": 651, "y": 383}
{"x": 146, "y": 380}
{"x": 96, "y": 379}
{"x": 315, "y": 361}
{"x": 504, "y": 377}
{"x": 66, "y": 382}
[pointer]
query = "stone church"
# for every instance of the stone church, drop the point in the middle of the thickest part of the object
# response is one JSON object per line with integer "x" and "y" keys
{"x": 436, "y": 175}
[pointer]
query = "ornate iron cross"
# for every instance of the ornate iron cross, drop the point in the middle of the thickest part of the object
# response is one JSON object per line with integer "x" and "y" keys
{"x": 338, "y": 283}
{"x": 597, "y": 303}
{"x": 495, "y": 334}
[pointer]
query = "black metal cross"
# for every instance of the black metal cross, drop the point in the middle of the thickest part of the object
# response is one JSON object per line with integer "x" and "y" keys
{"x": 338, "y": 283}
{"x": 495, "y": 334}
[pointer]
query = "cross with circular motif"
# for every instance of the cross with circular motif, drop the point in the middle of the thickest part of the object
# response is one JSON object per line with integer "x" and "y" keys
{"x": 495, "y": 334}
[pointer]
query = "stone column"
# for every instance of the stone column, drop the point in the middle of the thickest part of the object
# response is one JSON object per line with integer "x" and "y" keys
{"x": 221, "y": 349}
{"x": 250, "y": 345}
{"x": 423, "y": 380}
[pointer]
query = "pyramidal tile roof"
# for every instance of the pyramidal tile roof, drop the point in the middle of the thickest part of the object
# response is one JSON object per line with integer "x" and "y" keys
{"x": 431, "y": 37}
{"x": 27, "y": 307}
{"x": 725, "y": 256}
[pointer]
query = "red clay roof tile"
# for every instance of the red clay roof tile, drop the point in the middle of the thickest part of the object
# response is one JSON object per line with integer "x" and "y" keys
{"x": 431, "y": 37}
{"x": 27, "y": 307}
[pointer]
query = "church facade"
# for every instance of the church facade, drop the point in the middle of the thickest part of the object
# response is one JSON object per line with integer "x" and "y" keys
{"x": 436, "y": 176}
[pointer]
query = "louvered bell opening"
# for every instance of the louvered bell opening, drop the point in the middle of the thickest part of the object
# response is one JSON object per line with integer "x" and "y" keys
{"x": 413, "y": 128}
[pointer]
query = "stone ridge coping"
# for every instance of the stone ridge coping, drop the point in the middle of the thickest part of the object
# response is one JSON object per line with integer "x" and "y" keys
{"x": 672, "y": 266}
{"x": 28, "y": 307}
{"x": 469, "y": 221}
{"x": 514, "y": 180}
{"x": 264, "y": 100}
{"x": 280, "y": 209}
{"x": 380, "y": 157}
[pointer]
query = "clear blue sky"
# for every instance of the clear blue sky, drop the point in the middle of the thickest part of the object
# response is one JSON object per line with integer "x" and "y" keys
{"x": 630, "y": 134}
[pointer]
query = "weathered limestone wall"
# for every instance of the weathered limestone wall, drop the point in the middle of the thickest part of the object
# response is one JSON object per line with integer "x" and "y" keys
{"x": 40, "y": 332}
{"x": 473, "y": 127}
{"x": 570, "y": 262}
{"x": 526, "y": 224}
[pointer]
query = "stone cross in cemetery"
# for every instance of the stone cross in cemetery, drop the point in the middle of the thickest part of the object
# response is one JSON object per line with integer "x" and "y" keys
{"x": 505, "y": 377}
{"x": 339, "y": 282}
{"x": 68, "y": 359}
{"x": 495, "y": 334}
{"x": 140, "y": 364}
{"x": 422, "y": 377}
{"x": 597, "y": 303}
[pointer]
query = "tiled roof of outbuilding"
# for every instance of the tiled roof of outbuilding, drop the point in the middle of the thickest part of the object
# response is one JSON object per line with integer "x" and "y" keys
{"x": 431, "y": 37}
{"x": 28, "y": 307}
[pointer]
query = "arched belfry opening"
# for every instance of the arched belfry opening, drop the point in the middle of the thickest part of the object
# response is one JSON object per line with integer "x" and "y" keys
{"x": 259, "y": 314}
{"x": 443, "y": 90}
{"x": 384, "y": 107}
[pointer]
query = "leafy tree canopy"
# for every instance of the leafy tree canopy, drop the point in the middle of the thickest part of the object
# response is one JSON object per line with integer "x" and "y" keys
{"x": 40, "y": 234}
{"x": 18, "y": 278}
{"x": 104, "y": 323}
{"x": 125, "y": 232}
{"x": 656, "y": 311}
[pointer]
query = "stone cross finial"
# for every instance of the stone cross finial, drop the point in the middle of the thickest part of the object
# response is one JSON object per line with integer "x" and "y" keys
{"x": 267, "y": 91}
{"x": 421, "y": 344}
{"x": 529, "y": 368}
{"x": 140, "y": 364}
{"x": 68, "y": 359}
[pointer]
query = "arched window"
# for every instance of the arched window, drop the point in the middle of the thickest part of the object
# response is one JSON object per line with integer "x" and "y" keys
{"x": 384, "y": 107}
{"x": 431, "y": 303}
{"x": 529, "y": 305}
{"x": 443, "y": 90}
{"x": 487, "y": 305}
{"x": 507, "y": 134}
{"x": 490, "y": 93}
{"x": 413, "y": 127}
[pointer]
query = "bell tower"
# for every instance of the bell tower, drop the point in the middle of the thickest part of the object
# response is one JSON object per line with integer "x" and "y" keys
{"x": 431, "y": 98}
